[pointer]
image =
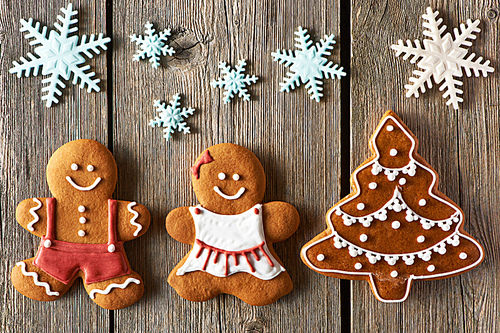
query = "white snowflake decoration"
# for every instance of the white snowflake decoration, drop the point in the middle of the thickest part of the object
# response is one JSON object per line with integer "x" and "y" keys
{"x": 152, "y": 45}
{"x": 234, "y": 81}
{"x": 171, "y": 117}
{"x": 442, "y": 58}
{"x": 59, "y": 55}
{"x": 308, "y": 64}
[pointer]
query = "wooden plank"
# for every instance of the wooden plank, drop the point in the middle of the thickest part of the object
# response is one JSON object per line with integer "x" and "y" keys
{"x": 461, "y": 145}
{"x": 296, "y": 139}
{"x": 30, "y": 133}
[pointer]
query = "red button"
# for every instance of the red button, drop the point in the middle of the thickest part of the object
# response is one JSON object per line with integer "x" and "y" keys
{"x": 256, "y": 211}
{"x": 197, "y": 211}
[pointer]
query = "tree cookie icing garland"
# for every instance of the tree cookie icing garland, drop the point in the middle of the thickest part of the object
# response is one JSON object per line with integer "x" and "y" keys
{"x": 395, "y": 227}
{"x": 82, "y": 230}
{"x": 231, "y": 231}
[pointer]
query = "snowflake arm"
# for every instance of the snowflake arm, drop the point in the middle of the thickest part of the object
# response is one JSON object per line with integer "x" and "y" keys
{"x": 92, "y": 45}
{"x": 152, "y": 45}
{"x": 285, "y": 57}
{"x": 52, "y": 89}
{"x": 171, "y": 117}
{"x": 302, "y": 39}
{"x": 433, "y": 31}
{"x": 66, "y": 21}
{"x": 234, "y": 81}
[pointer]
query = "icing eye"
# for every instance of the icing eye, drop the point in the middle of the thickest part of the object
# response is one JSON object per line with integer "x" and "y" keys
{"x": 90, "y": 168}
{"x": 74, "y": 166}
{"x": 236, "y": 177}
{"x": 222, "y": 176}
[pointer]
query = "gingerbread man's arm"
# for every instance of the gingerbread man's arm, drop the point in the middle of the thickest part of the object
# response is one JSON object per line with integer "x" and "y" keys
{"x": 281, "y": 220}
{"x": 180, "y": 225}
{"x": 132, "y": 221}
{"x": 32, "y": 215}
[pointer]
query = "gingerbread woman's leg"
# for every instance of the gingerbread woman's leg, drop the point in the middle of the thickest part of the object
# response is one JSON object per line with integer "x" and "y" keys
{"x": 117, "y": 293}
{"x": 34, "y": 283}
{"x": 194, "y": 286}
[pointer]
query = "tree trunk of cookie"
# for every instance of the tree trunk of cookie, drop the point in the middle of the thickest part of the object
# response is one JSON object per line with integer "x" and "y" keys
{"x": 390, "y": 289}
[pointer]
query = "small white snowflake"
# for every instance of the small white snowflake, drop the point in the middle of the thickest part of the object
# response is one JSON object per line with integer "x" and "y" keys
{"x": 59, "y": 55}
{"x": 234, "y": 81}
{"x": 171, "y": 117}
{"x": 442, "y": 58}
{"x": 308, "y": 64}
{"x": 152, "y": 45}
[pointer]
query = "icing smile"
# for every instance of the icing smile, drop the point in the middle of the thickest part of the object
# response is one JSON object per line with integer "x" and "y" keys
{"x": 230, "y": 197}
{"x": 81, "y": 188}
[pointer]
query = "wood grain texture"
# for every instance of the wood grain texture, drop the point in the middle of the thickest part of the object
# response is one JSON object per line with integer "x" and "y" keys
{"x": 462, "y": 145}
{"x": 296, "y": 139}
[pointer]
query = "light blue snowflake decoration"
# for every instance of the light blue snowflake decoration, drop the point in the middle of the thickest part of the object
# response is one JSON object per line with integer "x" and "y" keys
{"x": 308, "y": 64}
{"x": 234, "y": 81}
{"x": 171, "y": 117}
{"x": 152, "y": 45}
{"x": 59, "y": 55}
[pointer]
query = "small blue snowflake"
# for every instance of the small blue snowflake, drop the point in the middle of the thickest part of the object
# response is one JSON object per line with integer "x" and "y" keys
{"x": 171, "y": 117}
{"x": 308, "y": 64}
{"x": 234, "y": 81}
{"x": 152, "y": 45}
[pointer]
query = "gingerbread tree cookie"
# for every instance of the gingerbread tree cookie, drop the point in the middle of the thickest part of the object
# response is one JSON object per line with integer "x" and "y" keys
{"x": 395, "y": 227}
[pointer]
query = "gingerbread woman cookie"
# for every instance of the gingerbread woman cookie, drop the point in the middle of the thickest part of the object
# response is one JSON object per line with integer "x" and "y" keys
{"x": 231, "y": 231}
{"x": 396, "y": 226}
{"x": 82, "y": 230}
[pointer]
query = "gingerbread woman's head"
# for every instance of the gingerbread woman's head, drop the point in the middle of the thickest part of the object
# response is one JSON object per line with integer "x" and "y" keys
{"x": 228, "y": 179}
{"x": 82, "y": 169}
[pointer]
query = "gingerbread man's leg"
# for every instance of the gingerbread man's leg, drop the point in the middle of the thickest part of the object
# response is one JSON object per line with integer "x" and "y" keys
{"x": 34, "y": 283}
{"x": 117, "y": 293}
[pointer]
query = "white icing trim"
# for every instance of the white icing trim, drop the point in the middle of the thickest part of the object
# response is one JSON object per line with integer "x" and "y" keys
{"x": 230, "y": 197}
{"x": 81, "y": 188}
{"x": 35, "y": 279}
{"x": 111, "y": 286}
{"x": 36, "y": 218}
{"x": 132, "y": 220}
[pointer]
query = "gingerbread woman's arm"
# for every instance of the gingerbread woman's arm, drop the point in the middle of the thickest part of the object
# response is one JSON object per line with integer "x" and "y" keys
{"x": 180, "y": 225}
{"x": 32, "y": 215}
{"x": 133, "y": 220}
{"x": 281, "y": 220}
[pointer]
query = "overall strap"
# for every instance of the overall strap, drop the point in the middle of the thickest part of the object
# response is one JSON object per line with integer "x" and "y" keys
{"x": 50, "y": 218}
{"x": 111, "y": 221}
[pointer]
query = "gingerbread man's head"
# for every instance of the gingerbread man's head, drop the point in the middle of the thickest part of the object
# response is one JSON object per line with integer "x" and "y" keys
{"x": 82, "y": 169}
{"x": 228, "y": 179}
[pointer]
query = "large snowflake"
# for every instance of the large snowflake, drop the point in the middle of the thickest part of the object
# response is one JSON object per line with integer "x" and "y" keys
{"x": 234, "y": 81}
{"x": 171, "y": 117}
{"x": 152, "y": 45}
{"x": 59, "y": 55}
{"x": 308, "y": 64}
{"x": 442, "y": 58}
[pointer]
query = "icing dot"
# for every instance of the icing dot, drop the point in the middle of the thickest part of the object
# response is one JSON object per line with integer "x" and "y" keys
{"x": 395, "y": 225}
{"x": 394, "y": 274}
{"x": 222, "y": 176}
{"x": 360, "y": 206}
{"x": 81, "y": 209}
{"x": 197, "y": 211}
{"x": 421, "y": 239}
{"x": 358, "y": 266}
{"x": 81, "y": 233}
{"x": 256, "y": 211}
{"x": 393, "y": 152}
{"x": 74, "y": 166}
{"x": 431, "y": 268}
{"x": 363, "y": 238}
{"x": 47, "y": 243}
{"x": 90, "y": 168}
{"x": 462, "y": 255}
{"x": 320, "y": 257}
{"x": 236, "y": 177}
{"x": 111, "y": 248}
{"x": 402, "y": 181}
{"x": 372, "y": 186}
{"x": 82, "y": 220}
{"x": 390, "y": 128}
{"x": 422, "y": 202}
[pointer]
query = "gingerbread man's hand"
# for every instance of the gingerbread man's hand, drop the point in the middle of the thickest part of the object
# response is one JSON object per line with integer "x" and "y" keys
{"x": 32, "y": 215}
{"x": 133, "y": 220}
{"x": 281, "y": 220}
{"x": 180, "y": 225}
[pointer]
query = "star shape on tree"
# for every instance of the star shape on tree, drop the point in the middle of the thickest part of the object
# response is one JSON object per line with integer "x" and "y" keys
{"x": 234, "y": 81}
{"x": 152, "y": 45}
{"x": 171, "y": 117}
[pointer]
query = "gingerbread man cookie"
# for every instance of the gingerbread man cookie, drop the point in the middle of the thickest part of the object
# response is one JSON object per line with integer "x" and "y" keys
{"x": 396, "y": 226}
{"x": 82, "y": 230}
{"x": 231, "y": 231}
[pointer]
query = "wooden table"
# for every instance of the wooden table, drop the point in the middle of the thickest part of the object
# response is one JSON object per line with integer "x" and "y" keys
{"x": 308, "y": 150}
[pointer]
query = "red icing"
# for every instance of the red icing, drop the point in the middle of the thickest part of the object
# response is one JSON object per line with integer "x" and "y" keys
{"x": 205, "y": 158}
{"x": 256, "y": 211}
{"x": 197, "y": 211}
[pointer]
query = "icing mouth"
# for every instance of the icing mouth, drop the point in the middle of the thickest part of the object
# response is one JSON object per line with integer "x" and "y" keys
{"x": 230, "y": 197}
{"x": 81, "y": 188}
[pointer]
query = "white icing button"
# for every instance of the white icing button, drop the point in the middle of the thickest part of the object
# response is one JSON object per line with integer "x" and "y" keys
{"x": 390, "y": 128}
{"x": 360, "y": 206}
{"x": 320, "y": 257}
{"x": 402, "y": 181}
{"x": 74, "y": 166}
{"x": 222, "y": 176}
{"x": 431, "y": 268}
{"x": 81, "y": 233}
{"x": 422, "y": 202}
{"x": 372, "y": 186}
{"x": 363, "y": 238}
{"x": 394, "y": 274}
{"x": 81, "y": 209}
{"x": 462, "y": 255}
{"x": 90, "y": 168}
{"x": 421, "y": 239}
{"x": 395, "y": 225}
{"x": 358, "y": 266}
{"x": 393, "y": 152}
{"x": 82, "y": 220}
{"x": 47, "y": 243}
{"x": 111, "y": 248}
{"x": 236, "y": 177}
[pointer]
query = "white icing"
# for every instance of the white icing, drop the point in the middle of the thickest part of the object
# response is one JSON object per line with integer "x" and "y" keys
{"x": 111, "y": 286}
{"x": 320, "y": 257}
{"x": 421, "y": 239}
{"x": 222, "y": 176}
{"x": 372, "y": 186}
{"x": 81, "y": 233}
{"x": 410, "y": 169}
{"x": 393, "y": 152}
{"x": 463, "y": 255}
{"x": 422, "y": 202}
{"x": 74, "y": 166}
{"x": 360, "y": 206}
{"x": 431, "y": 268}
{"x": 394, "y": 274}
{"x": 236, "y": 177}
{"x": 81, "y": 209}
{"x": 35, "y": 279}
{"x": 82, "y": 220}
{"x": 363, "y": 238}
{"x": 402, "y": 181}
{"x": 132, "y": 220}
{"x": 36, "y": 218}
{"x": 390, "y": 128}
{"x": 90, "y": 168}
{"x": 395, "y": 225}
{"x": 111, "y": 248}
{"x": 47, "y": 243}
{"x": 81, "y": 188}
{"x": 358, "y": 266}
{"x": 230, "y": 197}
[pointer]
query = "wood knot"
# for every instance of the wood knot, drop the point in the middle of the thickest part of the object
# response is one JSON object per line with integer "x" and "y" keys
{"x": 255, "y": 326}
{"x": 189, "y": 51}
